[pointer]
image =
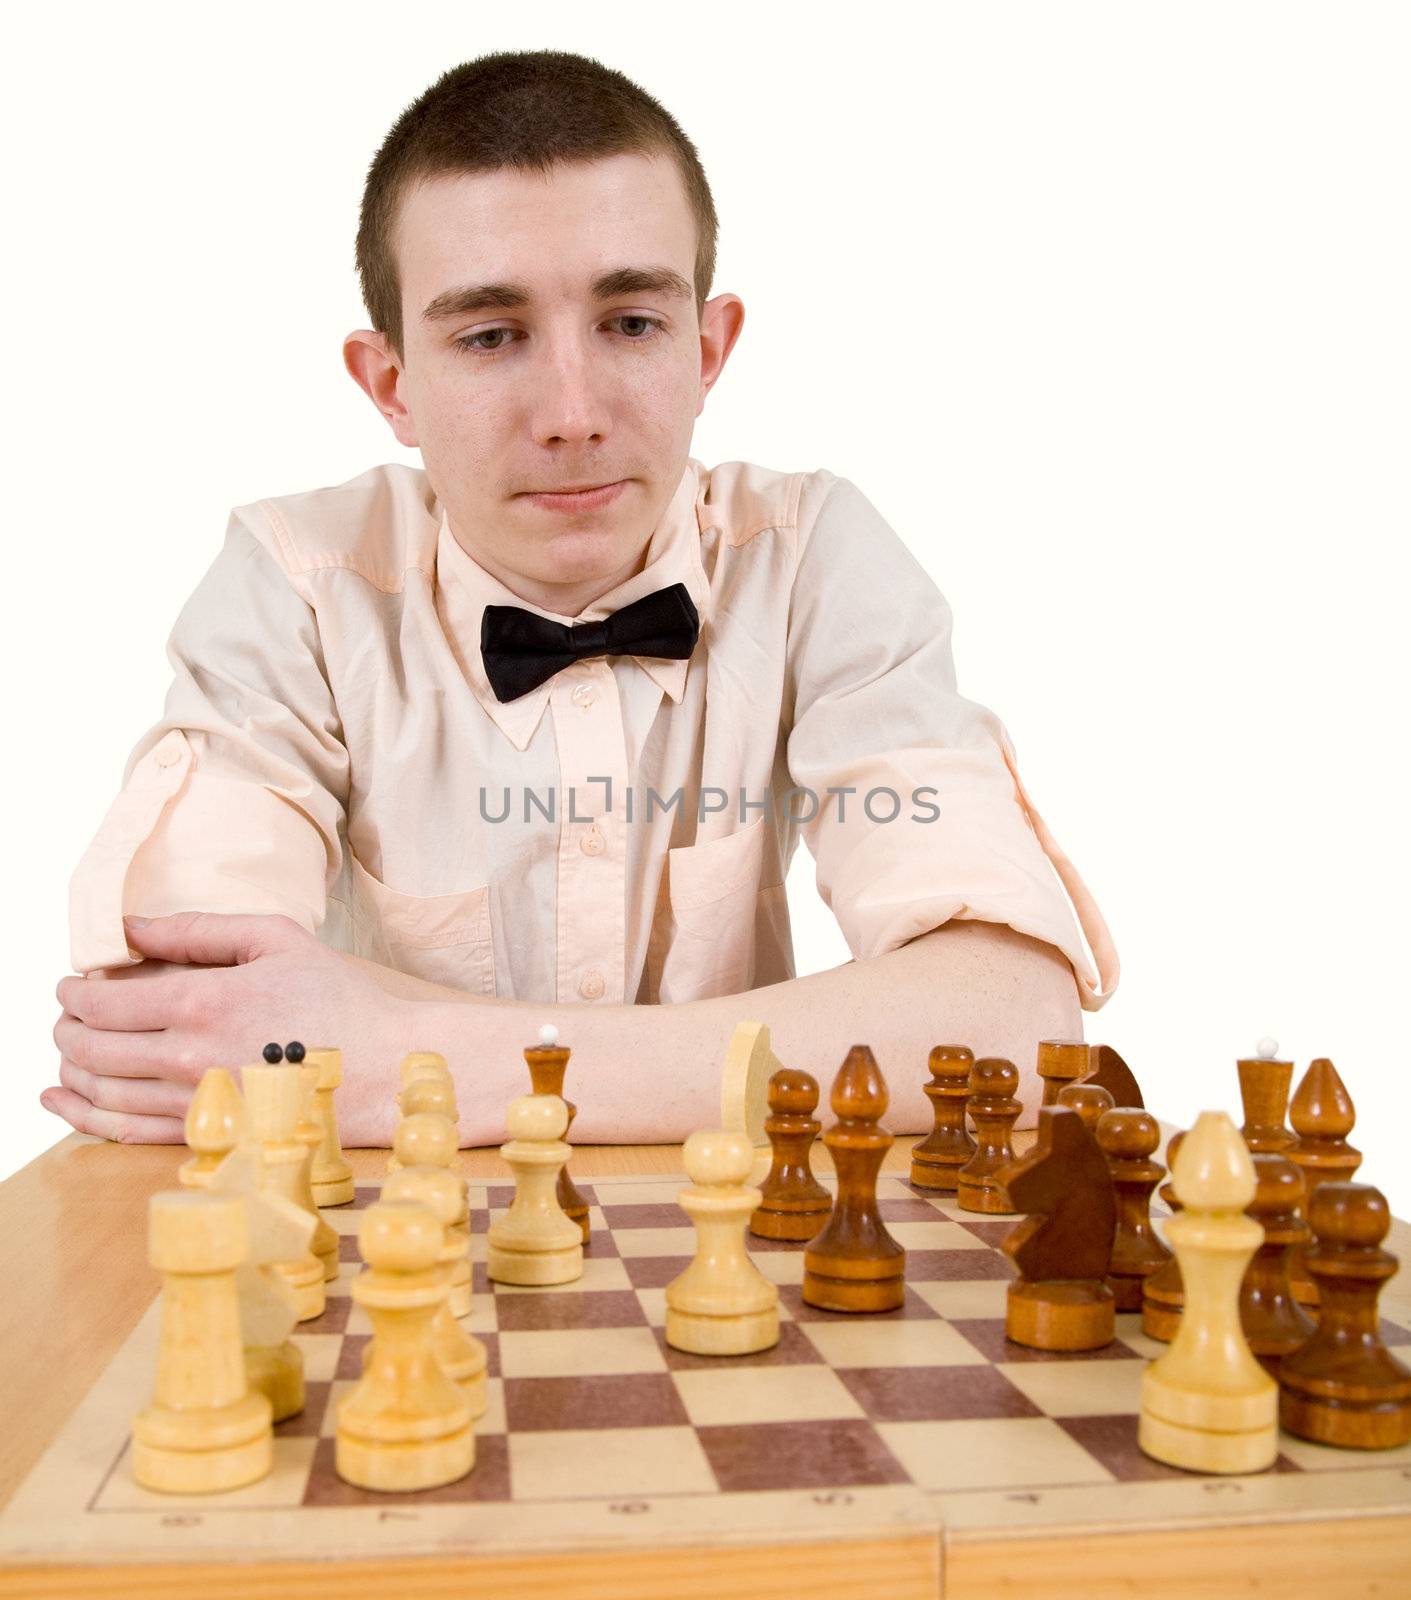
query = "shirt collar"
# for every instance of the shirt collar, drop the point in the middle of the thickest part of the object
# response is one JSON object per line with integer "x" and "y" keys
{"x": 464, "y": 588}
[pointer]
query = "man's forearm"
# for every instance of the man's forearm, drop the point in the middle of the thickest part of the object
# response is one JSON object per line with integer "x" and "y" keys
{"x": 643, "y": 1074}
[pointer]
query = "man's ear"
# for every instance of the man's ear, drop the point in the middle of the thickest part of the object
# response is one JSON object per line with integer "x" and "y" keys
{"x": 721, "y": 322}
{"x": 374, "y": 367}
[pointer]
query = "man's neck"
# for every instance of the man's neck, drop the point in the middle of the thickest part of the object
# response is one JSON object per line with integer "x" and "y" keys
{"x": 563, "y": 599}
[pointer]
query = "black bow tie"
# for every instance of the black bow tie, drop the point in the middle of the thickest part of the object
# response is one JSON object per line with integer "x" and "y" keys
{"x": 521, "y": 649}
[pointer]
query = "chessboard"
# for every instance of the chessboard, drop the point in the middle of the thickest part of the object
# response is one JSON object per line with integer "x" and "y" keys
{"x": 861, "y": 1454}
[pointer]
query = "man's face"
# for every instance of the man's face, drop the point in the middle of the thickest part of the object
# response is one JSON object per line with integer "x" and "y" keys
{"x": 565, "y": 389}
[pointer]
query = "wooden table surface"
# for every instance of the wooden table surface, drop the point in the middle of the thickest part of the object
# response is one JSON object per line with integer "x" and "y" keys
{"x": 73, "y": 1227}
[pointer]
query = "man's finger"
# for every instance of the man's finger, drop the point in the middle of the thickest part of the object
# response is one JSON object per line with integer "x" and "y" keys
{"x": 124, "y": 1127}
{"x": 161, "y": 998}
{"x": 153, "y": 1097}
{"x": 123, "y": 1055}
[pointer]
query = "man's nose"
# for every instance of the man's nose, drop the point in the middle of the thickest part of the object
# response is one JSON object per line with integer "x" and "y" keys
{"x": 571, "y": 399}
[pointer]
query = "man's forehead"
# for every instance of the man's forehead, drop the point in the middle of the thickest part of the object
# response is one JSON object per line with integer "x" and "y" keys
{"x": 496, "y": 240}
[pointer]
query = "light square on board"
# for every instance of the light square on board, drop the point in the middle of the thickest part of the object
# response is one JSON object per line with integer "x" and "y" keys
{"x": 320, "y": 1352}
{"x": 986, "y": 1298}
{"x": 995, "y": 1453}
{"x": 579, "y": 1352}
{"x": 662, "y": 1192}
{"x": 792, "y": 1393}
{"x": 642, "y": 1461}
{"x": 779, "y": 1266}
{"x": 935, "y": 1233}
{"x": 672, "y": 1241}
{"x": 1080, "y": 1388}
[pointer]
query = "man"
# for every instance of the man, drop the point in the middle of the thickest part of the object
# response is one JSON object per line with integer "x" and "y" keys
{"x": 458, "y": 751}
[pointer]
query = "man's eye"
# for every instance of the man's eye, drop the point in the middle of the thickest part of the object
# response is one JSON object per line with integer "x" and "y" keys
{"x": 471, "y": 341}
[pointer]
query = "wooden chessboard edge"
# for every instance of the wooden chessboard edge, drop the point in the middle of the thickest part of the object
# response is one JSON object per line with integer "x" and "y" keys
{"x": 1329, "y": 1557}
{"x": 904, "y": 1567}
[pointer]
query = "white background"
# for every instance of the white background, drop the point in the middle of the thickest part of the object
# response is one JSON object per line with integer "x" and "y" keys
{"x": 1105, "y": 306}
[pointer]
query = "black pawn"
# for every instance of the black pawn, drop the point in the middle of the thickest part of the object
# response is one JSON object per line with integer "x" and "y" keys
{"x": 793, "y": 1204}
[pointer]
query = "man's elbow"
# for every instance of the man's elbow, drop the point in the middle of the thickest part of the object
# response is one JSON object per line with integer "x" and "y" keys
{"x": 1013, "y": 971}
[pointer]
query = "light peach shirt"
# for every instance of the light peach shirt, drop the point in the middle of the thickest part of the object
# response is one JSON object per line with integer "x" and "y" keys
{"x": 332, "y": 750}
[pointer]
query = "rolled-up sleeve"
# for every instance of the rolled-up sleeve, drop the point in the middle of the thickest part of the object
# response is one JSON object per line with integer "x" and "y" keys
{"x": 235, "y": 799}
{"x": 929, "y": 820}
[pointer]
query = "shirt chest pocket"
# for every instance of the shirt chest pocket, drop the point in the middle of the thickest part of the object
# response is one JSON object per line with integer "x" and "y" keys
{"x": 716, "y": 899}
{"x": 444, "y": 938}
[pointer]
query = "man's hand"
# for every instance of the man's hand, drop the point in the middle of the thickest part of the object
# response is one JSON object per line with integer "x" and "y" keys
{"x": 213, "y": 992}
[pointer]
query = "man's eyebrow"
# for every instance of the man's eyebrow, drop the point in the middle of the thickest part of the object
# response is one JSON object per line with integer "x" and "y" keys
{"x": 509, "y": 296}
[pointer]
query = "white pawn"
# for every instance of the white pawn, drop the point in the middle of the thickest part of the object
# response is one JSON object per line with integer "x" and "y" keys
{"x": 721, "y": 1305}
{"x": 406, "y": 1425}
{"x": 432, "y": 1092}
{"x": 463, "y": 1357}
{"x": 425, "y": 1139}
{"x": 1206, "y": 1403}
{"x": 536, "y": 1242}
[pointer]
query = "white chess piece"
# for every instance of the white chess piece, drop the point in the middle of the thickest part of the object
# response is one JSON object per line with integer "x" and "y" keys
{"x": 406, "y": 1425}
{"x": 1206, "y": 1404}
{"x": 535, "y": 1242}
{"x": 721, "y": 1305}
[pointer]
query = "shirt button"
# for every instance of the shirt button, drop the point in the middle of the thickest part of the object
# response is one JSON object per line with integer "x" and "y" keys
{"x": 584, "y": 694}
{"x": 590, "y": 985}
{"x": 592, "y": 843}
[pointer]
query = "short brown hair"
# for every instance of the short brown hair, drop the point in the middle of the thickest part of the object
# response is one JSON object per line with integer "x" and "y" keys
{"x": 523, "y": 109}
